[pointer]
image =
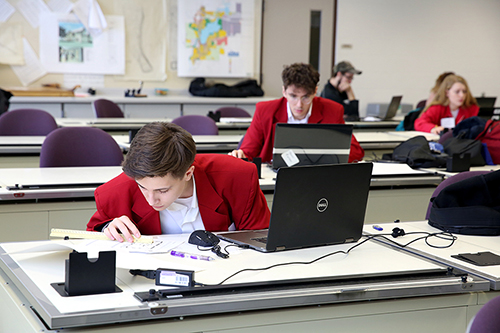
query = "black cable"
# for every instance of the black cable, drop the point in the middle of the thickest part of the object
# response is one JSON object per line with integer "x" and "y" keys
{"x": 448, "y": 236}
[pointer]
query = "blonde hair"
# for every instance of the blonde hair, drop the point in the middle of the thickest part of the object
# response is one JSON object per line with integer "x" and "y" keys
{"x": 440, "y": 80}
{"x": 448, "y": 82}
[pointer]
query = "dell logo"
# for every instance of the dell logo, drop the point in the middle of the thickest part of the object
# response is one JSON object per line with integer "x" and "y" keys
{"x": 322, "y": 205}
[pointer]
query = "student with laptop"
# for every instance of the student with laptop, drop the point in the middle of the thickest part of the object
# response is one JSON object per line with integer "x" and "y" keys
{"x": 339, "y": 89}
{"x": 166, "y": 188}
{"x": 298, "y": 105}
{"x": 452, "y": 104}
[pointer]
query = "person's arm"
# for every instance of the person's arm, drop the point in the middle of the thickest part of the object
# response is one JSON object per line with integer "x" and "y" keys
{"x": 429, "y": 121}
{"x": 357, "y": 153}
{"x": 254, "y": 137}
{"x": 249, "y": 205}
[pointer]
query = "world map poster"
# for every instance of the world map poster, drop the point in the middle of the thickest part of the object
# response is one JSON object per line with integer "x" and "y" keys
{"x": 216, "y": 38}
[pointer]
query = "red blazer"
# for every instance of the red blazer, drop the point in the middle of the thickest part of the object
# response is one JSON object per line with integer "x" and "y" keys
{"x": 259, "y": 138}
{"x": 227, "y": 189}
{"x": 433, "y": 115}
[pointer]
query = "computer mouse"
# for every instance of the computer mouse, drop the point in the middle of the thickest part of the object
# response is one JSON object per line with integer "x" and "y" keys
{"x": 203, "y": 238}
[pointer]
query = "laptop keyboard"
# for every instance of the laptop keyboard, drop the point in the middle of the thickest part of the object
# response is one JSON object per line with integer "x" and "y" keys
{"x": 260, "y": 239}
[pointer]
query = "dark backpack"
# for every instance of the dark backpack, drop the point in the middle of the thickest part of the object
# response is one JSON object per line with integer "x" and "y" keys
{"x": 4, "y": 100}
{"x": 416, "y": 153}
{"x": 469, "y": 207}
{"x": 246, "y": 88}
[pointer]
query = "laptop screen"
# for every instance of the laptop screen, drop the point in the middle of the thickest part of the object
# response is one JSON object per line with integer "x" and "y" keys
{"x": 311, "y": 144}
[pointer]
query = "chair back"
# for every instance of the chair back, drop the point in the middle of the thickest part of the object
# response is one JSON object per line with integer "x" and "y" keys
{"x": 451, "y": 180}
{"x": 487, "y": 318}
{"x": 80, "y": 146}
{"x": 104, "y": 108}
{"x": 27, "y": 122}
{"x": 233, "y": 112}
{"x": 197, "y": 125}
{"x": 421, "y": 104}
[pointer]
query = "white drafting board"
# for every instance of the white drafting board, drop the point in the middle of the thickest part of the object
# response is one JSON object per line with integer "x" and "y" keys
{"x": 33, "y": 258}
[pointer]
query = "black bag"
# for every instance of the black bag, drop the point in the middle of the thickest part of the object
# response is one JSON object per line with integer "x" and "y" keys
{"x": 416, "y": 153}
{"x": 409, "y": 119}
{"x": 469, "y": 207}
{"x": 4, "y": 100}
{"x": 461, "y": 146}
{"x": 246, "y": 88}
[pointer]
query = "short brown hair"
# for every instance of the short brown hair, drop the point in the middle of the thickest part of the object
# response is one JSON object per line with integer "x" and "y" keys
{"x": 300, "y": 75}
{"x": 159, "y": 149}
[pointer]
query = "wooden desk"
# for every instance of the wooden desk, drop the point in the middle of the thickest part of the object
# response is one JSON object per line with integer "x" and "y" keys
{"x": 371, "y": 289}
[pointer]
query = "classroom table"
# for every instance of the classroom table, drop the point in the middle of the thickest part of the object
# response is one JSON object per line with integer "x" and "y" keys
{"x": 65, "y": 196}
{"x": 373, "y": 287}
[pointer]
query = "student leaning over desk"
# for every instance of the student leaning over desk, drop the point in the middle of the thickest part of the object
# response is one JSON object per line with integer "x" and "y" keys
{"x": 298, "y": 105}
{"x": 165, "y": 188}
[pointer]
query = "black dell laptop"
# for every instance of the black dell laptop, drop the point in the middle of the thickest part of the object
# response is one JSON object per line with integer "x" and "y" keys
{"x": 311, "y": 144}
{"x": 312, "y": 206}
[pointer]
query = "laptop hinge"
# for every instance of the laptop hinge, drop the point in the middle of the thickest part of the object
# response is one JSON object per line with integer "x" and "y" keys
{"x": 280, "y": 248}
{"x": 349, "y": 240}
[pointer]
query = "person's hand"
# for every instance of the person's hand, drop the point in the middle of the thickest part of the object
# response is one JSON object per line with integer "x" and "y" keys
{"x": 124, "y": 226}
{"x": 437, "y": 130}
{"x": 237, "y": 153}
{"x": 344, "y": 85}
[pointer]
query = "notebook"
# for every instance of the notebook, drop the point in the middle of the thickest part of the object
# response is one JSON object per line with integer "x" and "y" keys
{"x": 311, "y": 144}
{"x": 312, "y": 206}
{"x": 379, "y": 111}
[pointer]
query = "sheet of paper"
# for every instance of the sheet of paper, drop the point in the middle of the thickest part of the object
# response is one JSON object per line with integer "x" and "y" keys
{"x": 90, "y": 14}
{"x": 84, "y": 80}
{"x": 11, "y": 44}
{"x": 6, "y": 10}
{"x": 60, "y": 6}
{"x": 31, "y": 10}
{"x": 33, "y": 69}
{"x": 67, "y": 47}
{"x": 448, "y": 122}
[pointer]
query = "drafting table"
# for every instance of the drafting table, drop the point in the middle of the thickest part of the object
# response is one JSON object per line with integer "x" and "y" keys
{"x": 374, "y": 283}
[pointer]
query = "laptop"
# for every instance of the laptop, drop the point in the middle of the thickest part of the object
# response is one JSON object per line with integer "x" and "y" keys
{"x": 312, "y": 206}
{"x": 486, "y": 107}
{"x": 311, "y": 144}
{"x": 379, "y": 111}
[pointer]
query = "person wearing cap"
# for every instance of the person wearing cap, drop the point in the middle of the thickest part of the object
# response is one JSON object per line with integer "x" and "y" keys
{"x": 299, "y": 104}
{"x": 339, "y": 89}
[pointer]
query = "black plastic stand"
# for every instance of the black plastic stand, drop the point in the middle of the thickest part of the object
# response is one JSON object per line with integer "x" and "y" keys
{"x": 458, "y": 163}
{"x": 89, "y": 277}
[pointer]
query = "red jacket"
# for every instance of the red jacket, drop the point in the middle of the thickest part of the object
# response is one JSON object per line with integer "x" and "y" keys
{"x": 259, "y": 138}
{"x": 433, "y": 115}
{"x": 227, "y": 189}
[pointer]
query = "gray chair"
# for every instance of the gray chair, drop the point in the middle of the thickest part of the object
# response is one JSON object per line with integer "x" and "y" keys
{"x": 487, "y": 320}
{"x": 80, "y": 146}
{"x": 197, "y": 125}
{"x": 27, "y": 122}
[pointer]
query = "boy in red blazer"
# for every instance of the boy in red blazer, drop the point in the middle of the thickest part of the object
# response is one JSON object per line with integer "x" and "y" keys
{"x": 167, "y": 188}
{"x": 299, "y": 104}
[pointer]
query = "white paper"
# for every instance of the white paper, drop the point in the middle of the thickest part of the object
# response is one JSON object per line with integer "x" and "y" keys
{"x": 31, "y": 10}
{"x": 33, "y": 69}
{"x": 67, "y": 47}
{"x": 11, "y": 44}
{"x": 448, "y": 122}
{"x": 84, "y": 80}
{"x": 6, "y": 10}
{"x": 90, "y": 14}
{"x": 290, "y": 158}
{"x": 60, "y": 6}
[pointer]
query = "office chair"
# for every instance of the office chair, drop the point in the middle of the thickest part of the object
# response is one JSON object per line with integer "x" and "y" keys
{"x": 487, "y": 319}
{"x": 27, "y": 122}
{"x": 421, "y": 104}
{"x": 236, "y": 112}
{"x": 197, "y": 125}
{"x": 104, "y": 108}
{"x": 451, "y": 180}
{"x": 80, "y": 146}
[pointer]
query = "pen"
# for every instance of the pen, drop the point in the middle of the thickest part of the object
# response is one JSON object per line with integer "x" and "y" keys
{"x": 190, "y": 256}
{"x": 379, "y": 228}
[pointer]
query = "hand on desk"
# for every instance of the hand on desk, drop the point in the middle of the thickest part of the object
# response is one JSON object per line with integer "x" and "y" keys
{"x": 124, "y": 226}
{"x": 437, "y": 130}
{"x": 237, "y": 153}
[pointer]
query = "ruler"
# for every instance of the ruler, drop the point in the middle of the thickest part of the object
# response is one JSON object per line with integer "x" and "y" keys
{"x": 93, "y": 235}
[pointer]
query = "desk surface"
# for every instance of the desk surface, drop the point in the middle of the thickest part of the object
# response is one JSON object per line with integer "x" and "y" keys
{"x": 44, "y": 183}
{"x": 464, "y": 244}
{"x": 385, "y": 274}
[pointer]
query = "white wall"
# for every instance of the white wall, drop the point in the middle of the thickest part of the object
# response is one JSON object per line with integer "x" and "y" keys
{"x": 402, "y": 46}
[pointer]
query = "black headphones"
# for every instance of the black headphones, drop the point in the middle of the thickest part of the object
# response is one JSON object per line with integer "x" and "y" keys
{"x": 396, "y": 232}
